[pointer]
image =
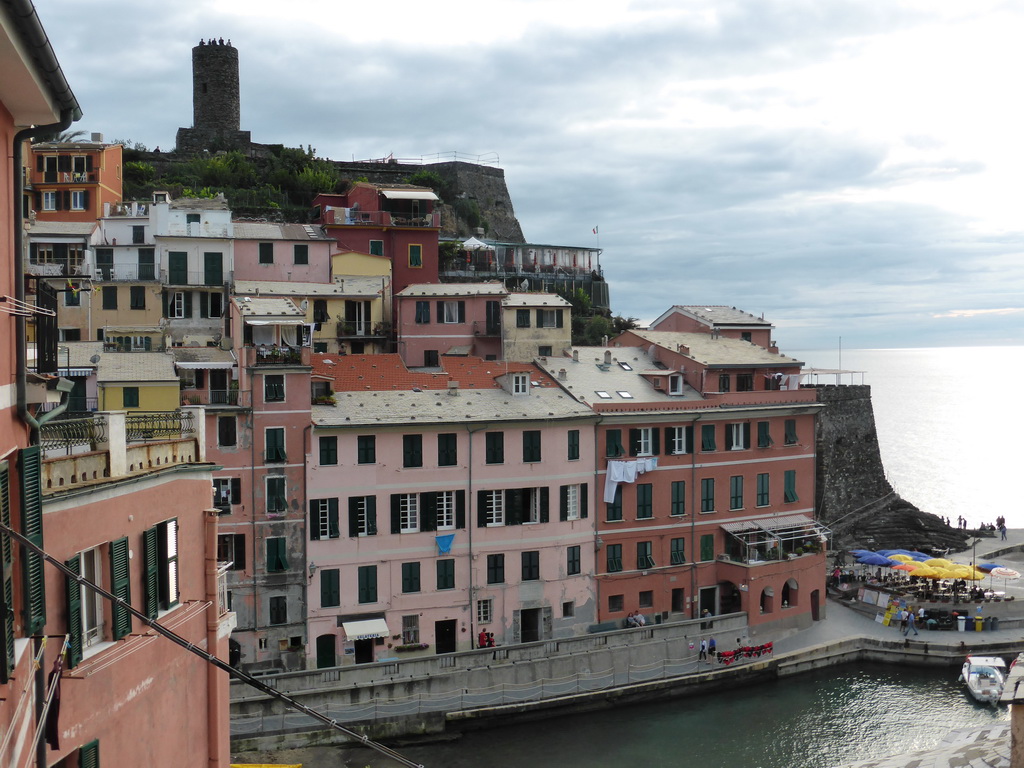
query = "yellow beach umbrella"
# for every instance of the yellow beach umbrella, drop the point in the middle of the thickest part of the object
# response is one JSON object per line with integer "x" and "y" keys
{"x": 902, "y": 558}
{"x": 939, "y": 562}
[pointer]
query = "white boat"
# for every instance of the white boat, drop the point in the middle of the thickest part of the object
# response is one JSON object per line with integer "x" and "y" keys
{"x": 984, "y": 677}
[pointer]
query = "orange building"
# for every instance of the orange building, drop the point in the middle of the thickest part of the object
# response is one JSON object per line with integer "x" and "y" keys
{"x": 71, "y": 181}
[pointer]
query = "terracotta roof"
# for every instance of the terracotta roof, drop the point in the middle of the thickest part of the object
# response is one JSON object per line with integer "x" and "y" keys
{"x": 477, "y": 373}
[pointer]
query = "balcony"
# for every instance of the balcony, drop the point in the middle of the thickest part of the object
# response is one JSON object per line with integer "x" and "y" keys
{"x": 117, "y": 273}
{"x": 69, "y": 268}
{"x": 355, "y": 218}
{"x": 481, "y": 328}
{"x": 211, "y": 279}
{"x": 225, "y": 398}
{"x": 197, "y": 229}
{"x": 68, "y": 177}
{"x": 363, "y": 329}
{"x": 271, "y": 355}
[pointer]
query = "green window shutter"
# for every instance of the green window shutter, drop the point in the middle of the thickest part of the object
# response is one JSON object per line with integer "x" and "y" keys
{"x": 89, "y": 755}
{"x": 613, "y": 442}
{"x": 707, "y": 547}
{"x": 790, "y": 429}
{"x": 330, "y": 588}
{"x": 789, "y": 486}
{"x": 32, "y": 528}
{"x": 73, "y": 602}
{"x": 574, "y": 444}
{"x": 764, "y": 438}
{"x": 563, "y": 502}
{"x": 678, "y": 497}
{"x": 213, "y": 268}
{"x": 151, "y": 580}
{"x": 377, "y": 247}
{"x": 7, "y": 588}
{"x": 333, "y": 530}
{"x": 584, "y": 500}
{"x": 301, "y": 253}
{"x": 120, "y": 580}
{"x": 707, "y": 437}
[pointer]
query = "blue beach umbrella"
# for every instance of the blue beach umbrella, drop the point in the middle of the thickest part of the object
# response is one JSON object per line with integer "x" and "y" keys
{"x": 986, "y": 567}
{"x": 874, "y": 558}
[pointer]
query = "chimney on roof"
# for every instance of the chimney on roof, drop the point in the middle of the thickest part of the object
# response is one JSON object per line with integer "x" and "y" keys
{"x": 604, "y": 341}
{"x": 453, "y": 388}
{"x": 562, "y": 375}
{"x": 607, "y": 357}
{"x": 575, "y": 355}
{"x": 97, "y": 137}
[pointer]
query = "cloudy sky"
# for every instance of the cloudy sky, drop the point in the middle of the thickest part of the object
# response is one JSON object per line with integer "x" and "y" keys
{"x": 848, "y": 168}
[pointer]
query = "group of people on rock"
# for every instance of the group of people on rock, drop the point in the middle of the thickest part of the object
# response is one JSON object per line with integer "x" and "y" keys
{"x": 961, "y": 524}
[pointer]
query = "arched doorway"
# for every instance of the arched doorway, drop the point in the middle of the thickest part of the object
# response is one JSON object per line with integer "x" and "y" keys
{"x": 768, "y": 600}
{"x": 815, "y": 605}
{"x": 729, "y": 598}
{"x": 325, "y": 655}
{"x": 790, "y": 593}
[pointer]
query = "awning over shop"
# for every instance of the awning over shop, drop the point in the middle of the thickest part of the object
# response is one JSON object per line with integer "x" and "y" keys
{"x": 365, "y": 630}
{"x": 781, "y": 527}
{"x": 275, "y": 320}
{"x": 408, "y": 194}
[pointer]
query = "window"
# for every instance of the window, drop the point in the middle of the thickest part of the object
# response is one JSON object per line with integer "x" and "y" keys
{"x": 300, "y": 253}
{"x": 613, "y": 558}
{"x": 446, "y": 574}
{"x": 412, "y": 451}
{"x": 266, "y": 253}
{"x": 644, "y": 501}
{"x": 323, "y": 519}
{"x": 110, "y": 297}
{"x": 646, "y": 599}
{"x": 330, "y": 588}
{"x": 362, "y": 516}
{"x": 451, "y": 312}
{"x": 615, "y": 603}
{"x": 574, "y": 444}
{"x": 678, "y": 600}
{"x": 736, "y": 492}
{"x": 790, "y": 429}
{"x": 531, "y": 445}
{"x": 366, "y": 449}
{"x": 763, "y": 488}
{"x": 613, "y": 509}
{"x": 764, "y": 435}
{"x": 544, "y": 350}
{"x": 320, "y": 313}
{"x": 213, "y": 268}
{"x": 278, "y": 610}
{"x": 677, "y": 551}
{"x": 549, "y": 318}
{"x": 707, "y": 437}
{"x": 422, "y": 312}
{"x": 613, "y": 443}
{"x": 484, "y": 611}
{"x": 415, "y": 255}
{"x": 277, "y": 554}
{"x": 675, "y": 384}
{"x": 277, "y": 499}
{"x": 532, "y": 501}
{"x": 572, "y": 561}
{"x": 147, "y": 264}
{"x": 73, "y": 296}
{"x": 137, "y": 297}
{"x": 405, "y": 513}
{"x": 231, "y": 549}
{"x": 707, "y": 547}
{"x": 328, "y": 450}
{"x": 273, "y": 388}
{"x": 410, "y": 577}
{"x": 226, "y": 433}
{"x": 496, "y": 569}
{"x": 49, "y": 201}
{"x": 494, "y": 447}
{"x": 737, "y": 437}
{"x": 680, "y": 440}
{"x": 531, "y": 565}
{"x": 494, "y": 507}
{"x": 678, "y": 498}
{"x": 431, "y": 359}
{"x": 724, "y": 382}
{"x": 130, "y": 397}
{"x": 789, "y": 486}
{"x": 744, "y": 382}
{"x": 227, "y": 491}
{"x": 522, "y": 318}
{"x": 376, "y": 247}
{"x": 520, "y": 384}
{"x": 180, "y": 305}
{"x": 707, "y": 494}
{"x": 572, "y": 502}
{"x": 367, "y": 586}
{"x": 275, "y": 444}
{"x": 89, "y": 629}
{"x": 644, "y": 441}
{"x": 644, "y": 555}
{"x": 446, "y": 510}
{"x": 568, "y": 609}
{"x": 411, "y": 629}
{"x": 447, "y": 449}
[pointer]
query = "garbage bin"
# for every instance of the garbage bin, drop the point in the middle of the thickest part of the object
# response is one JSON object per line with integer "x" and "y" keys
{"x": 978, "y": 623}
{"x": 961, "y": 623}
{"x": 995, "y": 623}
{"x": 986, "y": 624}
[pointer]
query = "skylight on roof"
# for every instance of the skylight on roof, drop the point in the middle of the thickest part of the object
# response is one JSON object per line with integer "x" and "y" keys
{"x": 624, "y": 395}
{"x": 625, "y": 366}
{"x": 602, "y": 394}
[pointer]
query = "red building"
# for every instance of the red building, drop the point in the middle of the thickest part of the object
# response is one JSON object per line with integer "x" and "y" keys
{"x": 397, "y": 221}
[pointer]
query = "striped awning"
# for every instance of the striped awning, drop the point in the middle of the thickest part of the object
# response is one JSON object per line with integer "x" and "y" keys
{"x": 369, "y": 629}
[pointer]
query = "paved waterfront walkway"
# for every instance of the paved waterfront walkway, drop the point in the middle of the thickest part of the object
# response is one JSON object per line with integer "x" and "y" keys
{"x": 987, "y": 747}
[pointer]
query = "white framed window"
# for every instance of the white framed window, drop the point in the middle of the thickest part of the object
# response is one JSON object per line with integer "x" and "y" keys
{"x": 484, "y": 611}
{"x": 451, "y": 312}
{"x": 366, "y": 516}
{"x": 520, "y": 383}
{"x": 548, "y": 318}
{"x": 49, "y": 201}
{"x": 409, "y": 512}
{"x": 533, "y": 499}
{"x": 445, "y": 510}
{"x": 675, "y": 384}
{"x": 495, "y": 511}
{"x": 738, "y": 434}
{"x": 411, "y": 629}
{"x": 572, "y": 502}
{"x": 178, "y": 304}
{"x": 91, "y": 568}
{"x": 77, "y": 200}
{"x": 321, "y": 514}
{"x": 677, "y": 440}
{"x": 645, "y": 441}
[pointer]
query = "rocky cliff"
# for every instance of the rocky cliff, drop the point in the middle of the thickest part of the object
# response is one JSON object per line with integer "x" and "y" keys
{"x": 854, "y": 497}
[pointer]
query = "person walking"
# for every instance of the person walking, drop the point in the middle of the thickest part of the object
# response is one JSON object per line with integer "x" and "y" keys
{"x": 703, "y": 655}
{"x": 712, "y": 649}
{"x": 911, "y": 625}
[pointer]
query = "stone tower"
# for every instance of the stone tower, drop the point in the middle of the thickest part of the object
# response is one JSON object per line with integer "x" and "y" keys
{"x": 215, "y": 100}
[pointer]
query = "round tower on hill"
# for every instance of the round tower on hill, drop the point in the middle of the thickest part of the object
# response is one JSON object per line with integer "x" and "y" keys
{"x": 215, "y": 100}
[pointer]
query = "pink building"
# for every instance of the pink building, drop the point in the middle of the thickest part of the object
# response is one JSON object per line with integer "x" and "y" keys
{"x": 298, "y": 253}
{"x": 445, "y": 505}
{"x": 435, "y": 319}
{"x": 397, "y": 221}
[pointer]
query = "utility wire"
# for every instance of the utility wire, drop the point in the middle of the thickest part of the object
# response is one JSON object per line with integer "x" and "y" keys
{"x": 209, "y": 657}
